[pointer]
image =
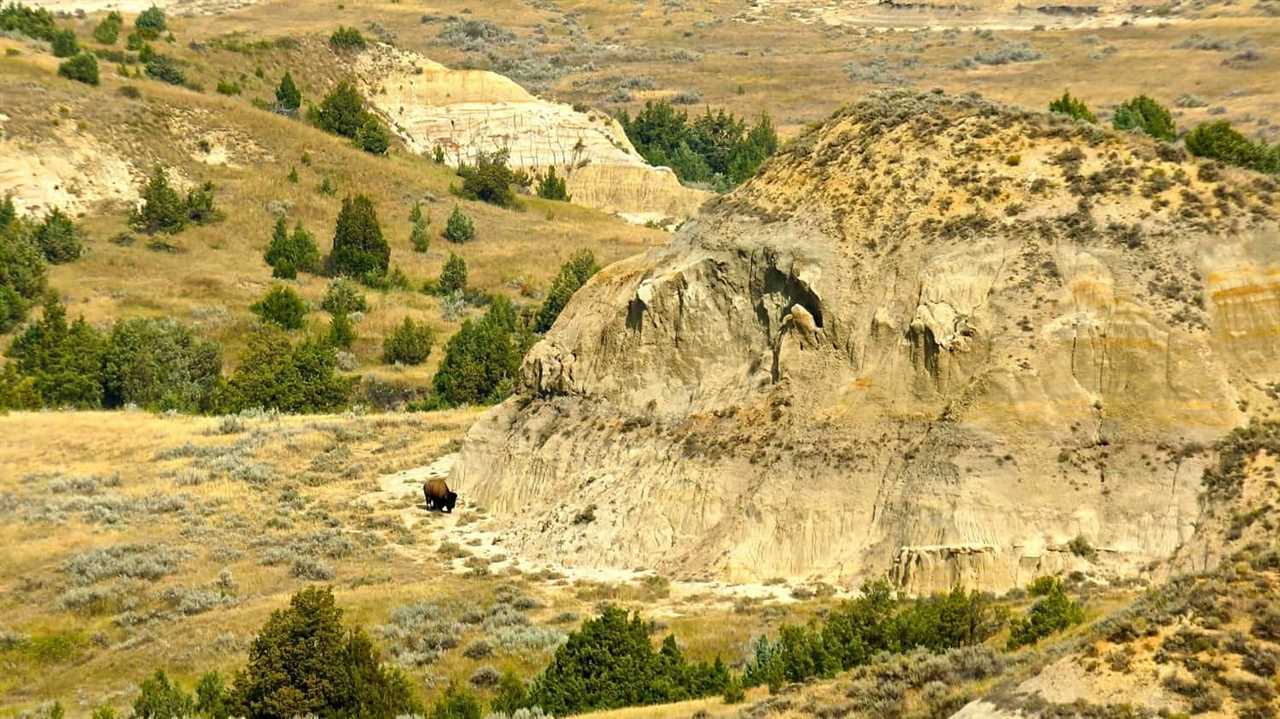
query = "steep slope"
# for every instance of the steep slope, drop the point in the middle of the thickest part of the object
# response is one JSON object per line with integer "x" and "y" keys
{"x": 467, "y": 112}
{"x": 936, "y": 336}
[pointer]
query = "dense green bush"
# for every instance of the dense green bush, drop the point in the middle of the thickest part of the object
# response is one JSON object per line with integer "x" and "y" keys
{"x": 290, "y": 378}
{"x": 150, "y": 23}
{"x": 288, "y": 97}
{"x": 165, "y": 69}
{"x": 288, "y": 254}
{"x": 152, "y": 363}
{"x": 714, "y": 148}
{"x": 1219, "y": 141}
{"x": 212, "y": 697}
{"x": 1053, "y": 612}
{"x": 453, "y": 276}
{"x": 342, "y": 331}
{"x": 62, "y": 360}
{"x": 456, "y": 704}
{"x": 22, "y": 267}
{"x": 573, "y": 274}
{"x": 551, "y": 187}
{"x": 58, "y": 238}
{"x": 347, "y": 38}
{"x": 36, "y": 23}
{"x": 160, "y": 698}
{"x": 609, "y": 663}
{"x": 343, "y": 298}
{"x": 107, "y": 32}
{"x": 459, "y": 228}
{"x": 159, "y": 365}
{"x": 359, "y": 249}
{"x": 373, "y": 136}
{"x": 305, "y": 662}
{"x": 342, "y": 111}
{"x": 64, "y": 43}
{"x": 489, "y": 179}
{"x": 1072, "y": 107}
{"x": 228, "y": 87}
{"x": 1146, "y": 115}
{"x": 481, "y": 360}
{"x": 164, "y": 210}
{"x": 81, "y": 68}
{"x": 199, "y": 205}
{"x": 419, "y": 224}
{"x": 409, "y": 343}
{"x": 282, "y": 306}
{"x": 511, "y": 694}
{"x": 875, "y": 622}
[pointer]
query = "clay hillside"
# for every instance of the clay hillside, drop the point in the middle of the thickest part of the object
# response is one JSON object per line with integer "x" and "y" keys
{"x": 935, "y": 337}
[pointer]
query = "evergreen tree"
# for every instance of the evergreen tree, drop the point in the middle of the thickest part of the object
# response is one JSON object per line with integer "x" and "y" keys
{"x": 150, "y": 23}
{"x": 211, "y": 697}
{"x": 453, "y": 276}
{"x": 551, "y": 187}
{"x": 342, "y": 111}
{"x": 288, "y": 254}
{"x": 22, "y": 268}
{"x": 58, "y": 238}
{"x": 8, "y": 212}
{"x": 275, "y": 375}
{"x": 459, "y": 228}
{"x": 159, "y": 365}
{"x": 488, "y": 180}
{"x": 342, "y": 331}
{"x": 1219, "y": 141}
{"x": 81, "y": 68}
{"x": 481, "y": 360}
{"x": 305, "y": 662}
{"x": 343, "y": 298}
{"x": 107, "y": 32}
{"x": 288, "y": 97}
{"x": 159, "y": 698}
{"x": 512, "y": 694}
{"x": 65, "y": 44}
{"x": 63, "y": 360}
{"x": 1144, "y": 114}
{"x": 573, "y": 274}
{"x": 409, "y": 344}
{"x": 456, "y": 704}
{"x": 609, "y": 663}
{"x": 282, "y": 306}
{"x": 359, "y": 249}
{"x": 373, "y": 136}
{"x": 418, "y": 236}
{"x": 1052, "y": 613}
{"x": 162, "y": 208}
{"x": 1072, "y": 107}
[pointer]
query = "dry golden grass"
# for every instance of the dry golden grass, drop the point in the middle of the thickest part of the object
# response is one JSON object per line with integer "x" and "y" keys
{"x": 314, "y": 475}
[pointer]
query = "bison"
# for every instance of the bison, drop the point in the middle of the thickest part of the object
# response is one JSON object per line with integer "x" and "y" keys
{"x": 438, "y": 495}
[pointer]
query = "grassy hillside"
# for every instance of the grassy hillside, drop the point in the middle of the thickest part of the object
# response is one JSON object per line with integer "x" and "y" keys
{"x": 209, "y": 275}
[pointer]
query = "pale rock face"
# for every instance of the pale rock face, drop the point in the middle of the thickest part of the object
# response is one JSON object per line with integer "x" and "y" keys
{"x": 813, "y": 381}
{"x": 467, "y": 112}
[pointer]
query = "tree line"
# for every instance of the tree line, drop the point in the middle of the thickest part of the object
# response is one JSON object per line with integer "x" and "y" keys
{"x": 1214, "y": 140}
{"x": 715, "y": 148}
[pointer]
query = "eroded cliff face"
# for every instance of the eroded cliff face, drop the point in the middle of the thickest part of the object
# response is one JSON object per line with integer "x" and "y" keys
{"x": 467, "y": 112}
{"x": 937, "y": 338}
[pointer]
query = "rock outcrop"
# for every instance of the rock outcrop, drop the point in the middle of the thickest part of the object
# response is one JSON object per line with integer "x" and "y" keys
{"x": 467, "y": 112}
{"x": 936, "y": 337}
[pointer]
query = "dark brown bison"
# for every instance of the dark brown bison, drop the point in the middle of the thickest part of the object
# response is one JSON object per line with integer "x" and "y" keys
{"x": 438, "y": 495}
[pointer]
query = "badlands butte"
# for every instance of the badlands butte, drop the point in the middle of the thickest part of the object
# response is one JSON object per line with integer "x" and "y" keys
{"x": 639, "y": 359}
{"x": 935, "y": 337}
